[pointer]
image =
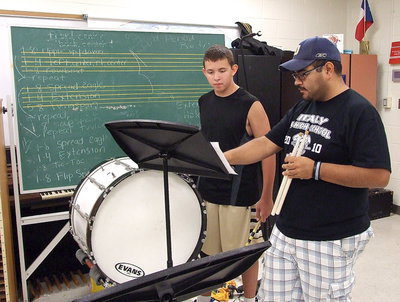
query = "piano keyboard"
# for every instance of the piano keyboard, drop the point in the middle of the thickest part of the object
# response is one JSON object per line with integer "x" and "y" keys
{"x": 56, "y": 194}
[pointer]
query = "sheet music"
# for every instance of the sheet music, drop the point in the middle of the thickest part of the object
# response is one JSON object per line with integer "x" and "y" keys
{"x": 221, "y": 155}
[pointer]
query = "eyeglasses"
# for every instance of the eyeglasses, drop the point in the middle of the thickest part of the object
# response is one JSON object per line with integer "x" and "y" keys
{"x": 301, "y": 76}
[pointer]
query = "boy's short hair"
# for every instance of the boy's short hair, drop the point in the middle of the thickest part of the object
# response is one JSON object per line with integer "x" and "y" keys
{"x": 218, "y": 52}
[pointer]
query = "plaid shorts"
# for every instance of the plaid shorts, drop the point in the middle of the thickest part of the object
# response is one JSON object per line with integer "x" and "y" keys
{"x": 302, "y": 270}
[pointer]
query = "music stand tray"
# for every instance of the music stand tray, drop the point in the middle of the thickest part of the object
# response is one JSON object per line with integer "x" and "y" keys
{"x": 149, "y": 143}
{"x": 183, "y": 281}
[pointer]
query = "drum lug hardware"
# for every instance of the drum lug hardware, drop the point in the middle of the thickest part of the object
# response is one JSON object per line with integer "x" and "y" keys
{"x": 185, "y": 177}
{"x": 108, "y": 283}
{"x": 135, "y": 171}
{"x": 106, "y": 191}
{"x": 90, "y": 222}
{"x": 113, "y": 175}
{"x": 81, "y": 243}
{"x": 92, "y": 180}
{"x": 86, "y": 217}
{"x": 77, "y": 208}
{"x": 127, "y": 167}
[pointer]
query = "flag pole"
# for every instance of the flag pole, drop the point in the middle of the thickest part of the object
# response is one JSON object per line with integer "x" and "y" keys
{"x": 364, "y": 19}
{"x": 364, "y": 44}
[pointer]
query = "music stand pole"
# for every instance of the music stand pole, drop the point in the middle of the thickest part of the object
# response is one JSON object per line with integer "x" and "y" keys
{"x": 167, "y": 209}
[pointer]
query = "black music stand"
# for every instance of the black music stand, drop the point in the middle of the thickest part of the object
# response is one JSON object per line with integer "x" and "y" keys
{"x": 183, "y": 281}
{"x": 167, "y": 146}
{"x": 159, "y": 144}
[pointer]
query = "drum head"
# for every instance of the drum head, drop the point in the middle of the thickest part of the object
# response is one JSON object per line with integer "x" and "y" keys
{"x": 128, "y": 237}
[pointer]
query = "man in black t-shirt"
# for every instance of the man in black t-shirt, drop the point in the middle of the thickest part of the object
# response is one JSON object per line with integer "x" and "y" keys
{"x": 324, "y": 224}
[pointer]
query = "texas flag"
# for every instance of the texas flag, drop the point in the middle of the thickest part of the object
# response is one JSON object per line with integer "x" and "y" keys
{"x": 365, "y": 20}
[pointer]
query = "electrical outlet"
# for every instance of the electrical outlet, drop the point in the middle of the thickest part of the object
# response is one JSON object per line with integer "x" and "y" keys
{"x": 387, "y": 102}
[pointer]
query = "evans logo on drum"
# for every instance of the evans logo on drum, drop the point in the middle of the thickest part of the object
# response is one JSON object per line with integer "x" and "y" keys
{"x": 129, "y": 270}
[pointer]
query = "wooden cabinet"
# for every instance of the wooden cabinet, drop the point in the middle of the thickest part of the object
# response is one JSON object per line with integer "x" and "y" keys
{"x": 360, "y": 73}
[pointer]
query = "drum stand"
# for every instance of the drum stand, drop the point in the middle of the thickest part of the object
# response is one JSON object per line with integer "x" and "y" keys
{"x": 184, "y": 281}
{"x": 169, "y": 147}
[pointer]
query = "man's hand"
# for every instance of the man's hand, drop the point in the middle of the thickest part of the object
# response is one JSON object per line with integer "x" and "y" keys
{"x": 298, "y": 167}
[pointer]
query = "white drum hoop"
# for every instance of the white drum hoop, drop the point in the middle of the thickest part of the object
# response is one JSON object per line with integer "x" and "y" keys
{"x": 127, "y": 163}
{"x": 119, "y": 182}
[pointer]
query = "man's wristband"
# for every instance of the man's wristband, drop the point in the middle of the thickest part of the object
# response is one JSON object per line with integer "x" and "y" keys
{"x": 317, "y": 166}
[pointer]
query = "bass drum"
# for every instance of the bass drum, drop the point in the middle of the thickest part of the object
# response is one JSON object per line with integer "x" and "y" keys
{"x": 117, "y": 217}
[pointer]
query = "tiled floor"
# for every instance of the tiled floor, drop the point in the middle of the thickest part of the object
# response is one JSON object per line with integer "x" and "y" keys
{"x": 377, "y": 269}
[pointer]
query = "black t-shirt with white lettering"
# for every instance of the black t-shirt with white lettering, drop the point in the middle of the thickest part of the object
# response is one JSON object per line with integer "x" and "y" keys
{"x": 345, "y": 130}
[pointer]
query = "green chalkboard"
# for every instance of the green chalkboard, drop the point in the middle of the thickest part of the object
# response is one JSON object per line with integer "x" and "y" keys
{"x": 69, "y": 82}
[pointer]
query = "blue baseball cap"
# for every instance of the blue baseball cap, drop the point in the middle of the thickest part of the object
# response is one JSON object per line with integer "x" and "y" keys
{"x": 310, "y": 50}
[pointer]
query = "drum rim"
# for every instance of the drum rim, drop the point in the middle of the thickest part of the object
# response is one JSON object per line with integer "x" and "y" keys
{"x": 203, "y": 228}
{"x": 76, "y": 192}
{"x": 110, "y": 160}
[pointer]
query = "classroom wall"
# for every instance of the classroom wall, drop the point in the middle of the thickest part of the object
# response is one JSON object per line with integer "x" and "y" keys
{"x": 283, "y": 24}
{"x": 391, "y": 117}
{"x": 393, "y": 120}
{"x": 384, "y": 31}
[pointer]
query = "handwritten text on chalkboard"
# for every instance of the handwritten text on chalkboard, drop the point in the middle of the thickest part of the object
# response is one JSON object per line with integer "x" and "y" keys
{"x": 68, "y": 83}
